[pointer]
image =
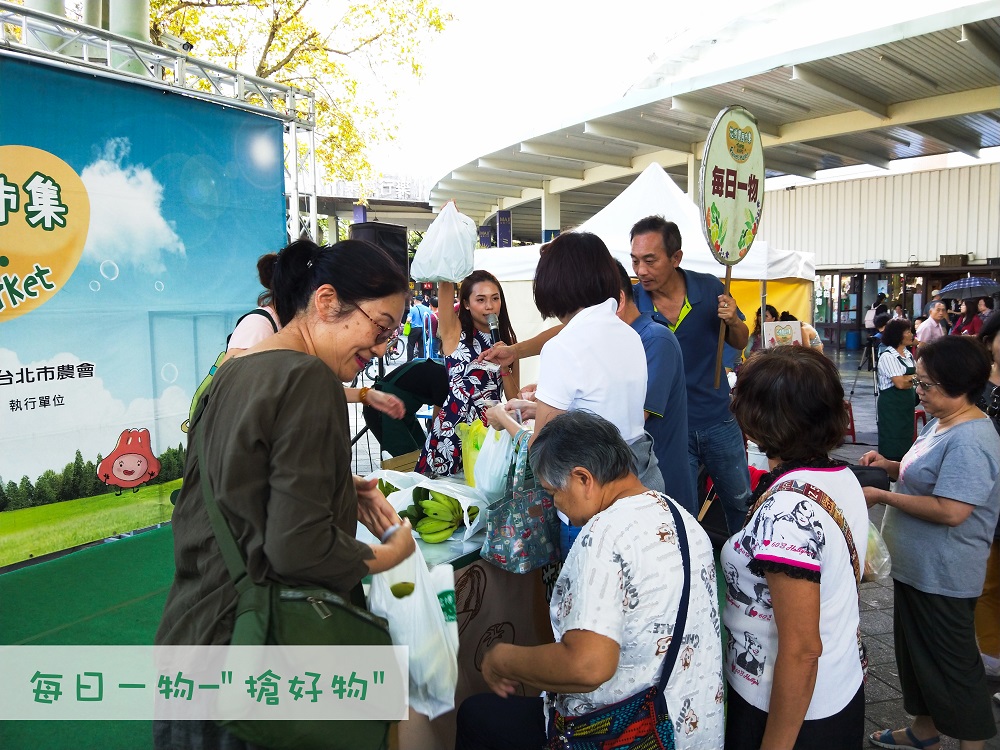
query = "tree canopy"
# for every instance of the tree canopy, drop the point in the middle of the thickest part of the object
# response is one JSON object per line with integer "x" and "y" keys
{"x": 354, "y": 55}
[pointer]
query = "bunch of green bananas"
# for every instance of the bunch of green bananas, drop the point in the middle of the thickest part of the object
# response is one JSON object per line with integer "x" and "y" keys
{"x": 385, "y": 488}
{"x": 441, "y": 516}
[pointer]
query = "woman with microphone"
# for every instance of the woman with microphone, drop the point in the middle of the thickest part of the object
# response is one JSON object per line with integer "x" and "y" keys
{"x": 473, "y": 386}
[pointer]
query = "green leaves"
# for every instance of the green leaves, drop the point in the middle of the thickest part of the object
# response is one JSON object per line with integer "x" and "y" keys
{"x": 355, "y": 56}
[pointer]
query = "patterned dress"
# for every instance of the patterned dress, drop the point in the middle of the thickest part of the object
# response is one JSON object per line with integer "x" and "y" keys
{"x": 473, "y": 387}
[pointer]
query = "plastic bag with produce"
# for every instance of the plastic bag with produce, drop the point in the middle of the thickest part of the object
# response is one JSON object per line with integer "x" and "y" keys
{"x": 420, "y": 607}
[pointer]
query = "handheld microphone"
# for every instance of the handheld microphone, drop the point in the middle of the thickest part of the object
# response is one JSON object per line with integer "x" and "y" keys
{"x": 494, "y": 323}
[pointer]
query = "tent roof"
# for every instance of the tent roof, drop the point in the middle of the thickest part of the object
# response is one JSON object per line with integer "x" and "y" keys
{"x": 653, "y": 192}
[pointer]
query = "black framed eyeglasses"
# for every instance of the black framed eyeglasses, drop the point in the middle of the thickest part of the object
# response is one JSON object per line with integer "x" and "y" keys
{"x": 384, "y": 333}
{"x": 918, "y": 383}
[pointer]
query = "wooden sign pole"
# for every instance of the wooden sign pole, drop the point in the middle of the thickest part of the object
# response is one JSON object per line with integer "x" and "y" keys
{"x": 722, "y": 333}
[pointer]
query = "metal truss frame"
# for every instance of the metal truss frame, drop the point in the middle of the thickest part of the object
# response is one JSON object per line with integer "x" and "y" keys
{"x": 61, "y": 42}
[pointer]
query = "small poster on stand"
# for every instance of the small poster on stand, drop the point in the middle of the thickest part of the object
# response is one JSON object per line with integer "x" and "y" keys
{"x": 782, "y": 333}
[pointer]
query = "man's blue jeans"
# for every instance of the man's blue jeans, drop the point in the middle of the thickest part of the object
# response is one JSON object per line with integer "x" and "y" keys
{"x": 720, "y": 448}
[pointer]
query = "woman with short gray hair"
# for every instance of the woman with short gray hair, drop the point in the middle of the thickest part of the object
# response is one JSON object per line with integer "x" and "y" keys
{"x": 617, "y": 608}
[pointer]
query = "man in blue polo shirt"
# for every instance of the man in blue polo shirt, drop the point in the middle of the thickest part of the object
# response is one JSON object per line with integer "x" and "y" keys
{"x": 691, "y": 304}
{"x": 666, "y": 396}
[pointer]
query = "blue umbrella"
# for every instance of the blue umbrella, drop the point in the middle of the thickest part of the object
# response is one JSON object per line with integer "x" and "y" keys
{"x": 974, "y": 286}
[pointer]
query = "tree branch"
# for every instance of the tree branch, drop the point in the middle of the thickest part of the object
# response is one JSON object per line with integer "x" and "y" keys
{"x": 287, "y": 58}
{"x": 179, "y": 6}
{"x": 357, "y": 47}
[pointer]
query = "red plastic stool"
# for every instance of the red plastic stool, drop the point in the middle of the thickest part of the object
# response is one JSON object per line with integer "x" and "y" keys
{"x": 850, "y": 423}
{"x": 921, "y": 416}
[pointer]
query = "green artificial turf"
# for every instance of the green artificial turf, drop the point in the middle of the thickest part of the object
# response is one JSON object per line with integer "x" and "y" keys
{"x": 108, "y": 594}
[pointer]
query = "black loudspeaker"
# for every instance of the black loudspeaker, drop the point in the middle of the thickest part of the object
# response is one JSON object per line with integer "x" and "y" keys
{"x": 389, "y": 237}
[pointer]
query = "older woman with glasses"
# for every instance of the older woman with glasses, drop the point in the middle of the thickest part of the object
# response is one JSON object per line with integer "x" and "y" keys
{"x": 939, "y": 524}
{"x": 274, "y": 446}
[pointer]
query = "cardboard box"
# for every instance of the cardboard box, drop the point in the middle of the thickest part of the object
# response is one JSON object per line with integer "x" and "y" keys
{"x": 406, "y": 462}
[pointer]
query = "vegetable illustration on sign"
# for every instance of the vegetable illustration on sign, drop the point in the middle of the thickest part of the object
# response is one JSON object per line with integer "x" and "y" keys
{"x": 732, "y": 179}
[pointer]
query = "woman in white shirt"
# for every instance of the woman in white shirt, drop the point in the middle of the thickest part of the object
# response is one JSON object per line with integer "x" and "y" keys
{"x": 596, "y": 362}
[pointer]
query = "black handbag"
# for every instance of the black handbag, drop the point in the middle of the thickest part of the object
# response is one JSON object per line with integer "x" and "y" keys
{"x": 641, "y": 720}
{"x": 871, "y": 476}
{"x": 276, "y": 614}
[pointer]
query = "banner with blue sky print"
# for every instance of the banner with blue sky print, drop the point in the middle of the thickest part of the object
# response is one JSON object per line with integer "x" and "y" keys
{"x": 131, "y": 219}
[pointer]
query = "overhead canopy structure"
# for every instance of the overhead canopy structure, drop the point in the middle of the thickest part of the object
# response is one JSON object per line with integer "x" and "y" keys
{"x": 908, "y": 88}
{"x": 654, "y": 193}
{"x": 790, "y": 274}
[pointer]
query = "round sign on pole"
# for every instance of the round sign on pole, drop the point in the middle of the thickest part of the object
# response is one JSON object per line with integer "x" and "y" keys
{"x": 732, "y": 193}
{"x": 732, "y": 184}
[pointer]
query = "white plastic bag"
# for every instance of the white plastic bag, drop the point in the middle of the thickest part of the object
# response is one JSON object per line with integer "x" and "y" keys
{"x": 425, "y": 621}
{"x": 493, "y": 464}
{"x": 447, "y": 251}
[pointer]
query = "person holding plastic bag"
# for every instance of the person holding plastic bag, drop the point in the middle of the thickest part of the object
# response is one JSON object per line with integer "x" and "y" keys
{"x": 447, "y": 251}
{"x": 939, "y": 525}
{"x": 794, "y": 661}
{"x": 474, "y": 386}
{"x": 617, "y": 613}
{"x": 275, "y": 448}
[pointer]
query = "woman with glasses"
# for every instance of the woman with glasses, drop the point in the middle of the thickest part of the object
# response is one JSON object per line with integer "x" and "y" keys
{"x": 252, "y": 329}
{"x": 275, "y": 448}
{"x": 939, "y": 524}
{"x": 474, "y": 386}
{"x": 896, "y": 398}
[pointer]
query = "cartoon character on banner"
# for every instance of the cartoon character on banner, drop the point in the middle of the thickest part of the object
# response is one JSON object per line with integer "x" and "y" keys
{"x": 131, "y": 463}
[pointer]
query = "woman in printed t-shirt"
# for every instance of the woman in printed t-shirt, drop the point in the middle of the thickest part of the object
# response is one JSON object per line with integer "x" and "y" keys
{"x": 614, "y": 608}
{"x": 793, "y": 658}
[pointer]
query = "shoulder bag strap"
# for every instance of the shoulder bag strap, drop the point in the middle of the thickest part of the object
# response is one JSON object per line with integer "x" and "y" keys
{"x": 670, "y": 659}
{"x": 223, "y": 534}
{"x": 255, "y": 311}
{"x": 519, "y": 466}
{"x": 826, "y": 503}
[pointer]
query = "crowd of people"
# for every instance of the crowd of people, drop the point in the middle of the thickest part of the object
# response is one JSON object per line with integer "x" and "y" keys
{"x": 627, "y": 421}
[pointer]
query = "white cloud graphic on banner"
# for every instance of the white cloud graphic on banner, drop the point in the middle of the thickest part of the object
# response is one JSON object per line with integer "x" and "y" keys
{"x": 126, "y": 225}
{"x": 36, "y": 438}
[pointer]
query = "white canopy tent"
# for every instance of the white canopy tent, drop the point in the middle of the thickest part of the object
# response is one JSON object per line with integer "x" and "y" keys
{"x": 653, "y": 192}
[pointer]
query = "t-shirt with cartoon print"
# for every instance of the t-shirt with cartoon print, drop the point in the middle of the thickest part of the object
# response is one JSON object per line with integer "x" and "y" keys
{"x": 623, "y": 580}
{"x": 792, "y": 534}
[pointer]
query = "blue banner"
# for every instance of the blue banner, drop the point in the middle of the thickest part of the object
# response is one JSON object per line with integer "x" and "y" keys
{"x": 504, "y": 229}
{"x": 130, "y": 227}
